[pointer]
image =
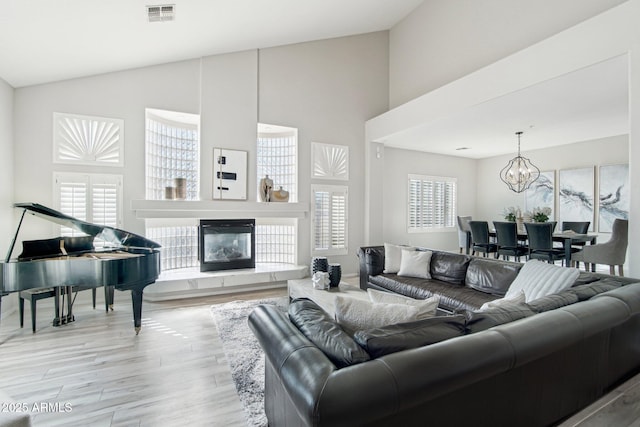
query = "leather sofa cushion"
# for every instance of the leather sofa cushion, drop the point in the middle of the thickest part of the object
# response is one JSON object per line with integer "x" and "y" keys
{"x": 403, "y": 336}
{"x": 489, "y": 276}
{"x": 449, "y": 267}
{"x": 325, "y": 333}
{"x": 452, "y": 297}
{"x": 553, "y": 301}
{"x": 481, "y": 320}
{"x": 586, "y": 292}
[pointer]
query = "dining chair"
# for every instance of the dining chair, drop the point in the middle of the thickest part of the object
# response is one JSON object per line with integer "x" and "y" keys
{"x": 540, "y": 237}
{"x": 463, "y": 232}
{"x": 507, "y": 240}
{"x": 611, "y": 253}
{"x": 579, "y": 227}
{"x": 480, "y": 239}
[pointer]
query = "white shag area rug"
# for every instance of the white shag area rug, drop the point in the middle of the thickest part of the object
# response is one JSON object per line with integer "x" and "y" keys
{"x": 244, "y": 355}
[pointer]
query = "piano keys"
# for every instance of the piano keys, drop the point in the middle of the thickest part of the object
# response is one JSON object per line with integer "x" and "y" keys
{"x": 127, "y": 261}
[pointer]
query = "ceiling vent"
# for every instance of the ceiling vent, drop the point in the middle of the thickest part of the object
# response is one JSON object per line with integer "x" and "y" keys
{"x": 161, "y": 13}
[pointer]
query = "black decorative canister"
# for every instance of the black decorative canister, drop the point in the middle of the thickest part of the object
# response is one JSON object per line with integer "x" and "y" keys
{"x": 335, "y": 274}
{"x": 319, "y": 263}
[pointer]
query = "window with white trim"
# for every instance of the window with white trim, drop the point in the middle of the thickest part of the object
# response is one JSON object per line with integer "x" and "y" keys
{"x": 329, "y": 219}
{"x": 95, "y": 198}
{"x": 431, "y": 203}
{"x": 172, "y": 145}
{"x": 277, "y": 156}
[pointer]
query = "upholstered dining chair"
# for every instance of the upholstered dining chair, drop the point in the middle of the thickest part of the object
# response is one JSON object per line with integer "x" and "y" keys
{"x": 611, "y": 253}
{"x": 480, "y": 239}
{"x": 540, "y": 237}
{"x": 463, "y": 231}
{"x": 507, "y": 240}
{"x": 579, "y": 227}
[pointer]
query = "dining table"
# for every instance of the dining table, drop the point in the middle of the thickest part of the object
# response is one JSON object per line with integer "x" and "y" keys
{"x": 567, "y": 238}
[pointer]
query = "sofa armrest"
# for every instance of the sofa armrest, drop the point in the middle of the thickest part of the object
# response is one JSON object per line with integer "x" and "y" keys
{"x": 301, "y": 367}
{"x": 371, "y": 263}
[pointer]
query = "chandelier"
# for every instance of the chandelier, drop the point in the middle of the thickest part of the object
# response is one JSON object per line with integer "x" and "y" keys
{"x": 519, "y": 173}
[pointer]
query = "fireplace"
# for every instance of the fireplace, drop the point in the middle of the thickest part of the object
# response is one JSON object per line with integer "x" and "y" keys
{"x": 227, "y": 244}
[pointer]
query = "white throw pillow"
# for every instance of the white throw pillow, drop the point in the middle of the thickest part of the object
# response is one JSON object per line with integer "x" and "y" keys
{"x": 538, "y": 279}
{"x": 519, "y": 298}
{"x": 354, "y": 314}
{"x": 415, "y": 264}
{"x": 393, "y": 256}
{"x": 426, "y": 307}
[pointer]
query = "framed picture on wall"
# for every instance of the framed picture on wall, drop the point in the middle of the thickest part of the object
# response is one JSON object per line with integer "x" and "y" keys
{"x": 229, "y": 174}
{"x": 576, "y": 195}
{"x": 613, "y": 195}
{"x": 541, "y": 194}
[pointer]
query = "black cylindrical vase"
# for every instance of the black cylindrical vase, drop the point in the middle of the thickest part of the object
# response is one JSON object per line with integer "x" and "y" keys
{"x": 319, "y": 263}
{"x": 335, "y": 274}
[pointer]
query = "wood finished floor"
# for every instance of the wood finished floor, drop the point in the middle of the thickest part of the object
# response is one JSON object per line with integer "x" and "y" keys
{"x": 173, "y": 374}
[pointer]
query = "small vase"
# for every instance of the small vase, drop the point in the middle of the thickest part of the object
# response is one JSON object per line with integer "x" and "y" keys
{"x": 319, "y": 263}
{"x": 335, "y": 274}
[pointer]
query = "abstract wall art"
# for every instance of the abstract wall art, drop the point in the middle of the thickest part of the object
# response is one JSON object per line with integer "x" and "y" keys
{"x": 541, "y": 193}
{"x": 613, "y": 195}
{"x": 576, "y": 195}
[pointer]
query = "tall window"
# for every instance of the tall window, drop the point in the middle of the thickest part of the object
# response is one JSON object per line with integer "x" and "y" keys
{"x": 95, "y": 198}
{"x": 329, "y": 211}
{"x": 172, "y": 151}
{"x": 277, "y": 156}
{"x": 431, "y": 203}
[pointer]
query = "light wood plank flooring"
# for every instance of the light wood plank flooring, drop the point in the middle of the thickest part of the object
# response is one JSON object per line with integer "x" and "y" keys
{"x": 173, "y": 374}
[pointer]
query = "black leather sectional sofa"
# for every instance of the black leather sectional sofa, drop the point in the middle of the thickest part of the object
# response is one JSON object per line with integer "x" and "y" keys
{"x": 529, "y": 365}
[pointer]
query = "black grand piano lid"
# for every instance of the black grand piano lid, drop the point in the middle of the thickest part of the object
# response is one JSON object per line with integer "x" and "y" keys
{"x": 112, "y": 235}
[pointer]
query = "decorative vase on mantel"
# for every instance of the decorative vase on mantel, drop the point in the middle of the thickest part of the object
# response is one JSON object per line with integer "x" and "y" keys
{"x": 280, "y": 195}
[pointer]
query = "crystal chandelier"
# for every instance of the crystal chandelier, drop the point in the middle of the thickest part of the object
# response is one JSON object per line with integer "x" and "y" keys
{"x": 519, "y": 173}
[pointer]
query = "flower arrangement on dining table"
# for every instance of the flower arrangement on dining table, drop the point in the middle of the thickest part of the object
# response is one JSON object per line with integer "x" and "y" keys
{"x": 539, "y": 214}
{"x": 511, "y": 213}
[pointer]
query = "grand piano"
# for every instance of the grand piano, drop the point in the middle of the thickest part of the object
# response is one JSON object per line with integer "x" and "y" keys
{"x": 127, "y": 261}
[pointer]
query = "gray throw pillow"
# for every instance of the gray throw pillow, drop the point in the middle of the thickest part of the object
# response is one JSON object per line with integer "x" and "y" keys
{"x": 325, "y": 333}
{"x": 403, "y": 336}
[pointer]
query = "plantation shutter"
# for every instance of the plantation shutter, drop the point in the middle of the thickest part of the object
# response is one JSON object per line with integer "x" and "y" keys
{"x": 431, "y": 203}
{"x": 93, "y": 198}
{"x": 330, "y": 219}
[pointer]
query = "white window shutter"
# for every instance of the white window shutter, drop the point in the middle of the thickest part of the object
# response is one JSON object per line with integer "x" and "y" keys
{"x": 431, "y": 203}
{"x": 330, "y": 219}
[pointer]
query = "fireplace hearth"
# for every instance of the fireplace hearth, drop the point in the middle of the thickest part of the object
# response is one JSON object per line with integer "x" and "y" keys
{"x": 227, "y": 244}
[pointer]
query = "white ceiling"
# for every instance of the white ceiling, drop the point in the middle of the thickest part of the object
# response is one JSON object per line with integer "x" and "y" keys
{"x": 43, "y": 40}
{"x": 587, "y": 104}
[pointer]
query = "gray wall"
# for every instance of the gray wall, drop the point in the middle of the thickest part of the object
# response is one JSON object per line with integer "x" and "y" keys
{"x": 6, "y": 177}
{"x": 443, "y": 40}
{"x": 327, "y": 89}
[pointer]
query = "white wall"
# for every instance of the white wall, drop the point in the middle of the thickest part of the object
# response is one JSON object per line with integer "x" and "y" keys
{"x": 123, "y": 95}
{"x": 327, "y": 89}
{"x": 397, "y": 165}
{"x": 443, "y": 40}
{"x": 481, "y": 193}
{"x": 6, "y": 177}
{"x": 493, "y": 194}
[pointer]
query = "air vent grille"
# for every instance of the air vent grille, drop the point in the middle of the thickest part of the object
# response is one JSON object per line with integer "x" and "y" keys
{"x": 161, "y": 13}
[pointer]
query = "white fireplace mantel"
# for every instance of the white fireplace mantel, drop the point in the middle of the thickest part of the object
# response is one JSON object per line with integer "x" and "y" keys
{"x": 147, "y": 209}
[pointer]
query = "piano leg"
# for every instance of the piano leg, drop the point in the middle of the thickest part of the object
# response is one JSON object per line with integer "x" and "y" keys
{"x": 69, "y": 317}
{"x": 57, "y": 320}
{"x": 108, "y": 298}
{"x": 136, "y": 299}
